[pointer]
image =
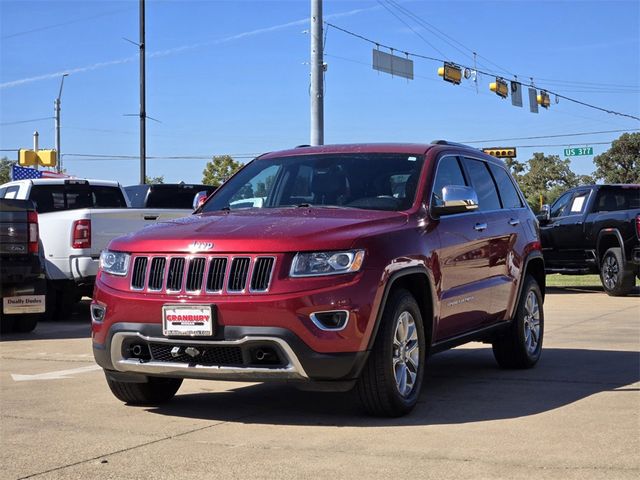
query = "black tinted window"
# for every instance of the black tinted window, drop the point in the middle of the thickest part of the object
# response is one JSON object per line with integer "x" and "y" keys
{"x": 449, "y": 173}
{"x": 52, "y": 198}
{"x": 558, "y": 208}
{"x": 136, "y": 194}
{"x": 508, "y": 193}
{"x": 483, "y": 184}
{"x": 610, "y": 199}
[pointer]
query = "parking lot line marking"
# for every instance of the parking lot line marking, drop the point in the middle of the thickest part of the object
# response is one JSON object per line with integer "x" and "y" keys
{"x": 54, "y": 375}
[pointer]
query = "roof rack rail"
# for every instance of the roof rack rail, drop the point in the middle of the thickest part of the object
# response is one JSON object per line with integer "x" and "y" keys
{"x": 447, "y": 142}
{"x": 302, "y": 146}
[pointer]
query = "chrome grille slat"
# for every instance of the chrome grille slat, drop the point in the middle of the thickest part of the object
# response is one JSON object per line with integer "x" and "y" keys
{"x": 175, "y": 274}
{"x": 238, "y": 274}
{"x": 195, "y": 274}
{"x": 156, "y": 273}
{"x": 261, "y": 276}
{"x": 215, "y": 278}
{"x": 139, "y": 273}
{"x": 202, "y": 274}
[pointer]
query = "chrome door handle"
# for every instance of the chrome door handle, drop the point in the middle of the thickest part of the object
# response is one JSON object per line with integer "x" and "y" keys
{"x": 480, "y": 227}
{"x": 514, "y": 221}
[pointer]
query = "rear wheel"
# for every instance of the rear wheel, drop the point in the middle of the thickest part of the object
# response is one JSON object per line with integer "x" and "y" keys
{"x": 391, "y": 380}
{"x": 616, "y": 279}
{"x": 25, "y": 323}
{"x": 521, "y": 345}
{"x": 6, "y": 322}
{"x": 155, "y": 391}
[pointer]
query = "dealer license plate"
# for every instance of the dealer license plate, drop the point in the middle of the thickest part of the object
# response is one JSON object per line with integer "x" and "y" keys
{"x": 187, "y": 320}
{"x": 24, "y": 304}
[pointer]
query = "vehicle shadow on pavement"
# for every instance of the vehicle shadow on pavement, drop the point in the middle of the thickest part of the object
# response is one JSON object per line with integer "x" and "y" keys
{"x": 78, "y": 325}
{"x": 462, "y": 386}
{"x": 586, "y": 289}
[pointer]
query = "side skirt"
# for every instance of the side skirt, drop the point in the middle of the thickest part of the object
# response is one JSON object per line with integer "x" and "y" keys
{"x": 481, "y": 335}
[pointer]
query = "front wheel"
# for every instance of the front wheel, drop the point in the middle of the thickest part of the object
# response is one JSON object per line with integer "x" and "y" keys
{"x": 391, "y": 380}
{"x": 153, "y": 392}
{"x": 616, "y": 280}
{"x": 521, "y": 345}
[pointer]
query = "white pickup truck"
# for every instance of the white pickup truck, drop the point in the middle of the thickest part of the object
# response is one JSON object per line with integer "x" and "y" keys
{"x": 77, "y": 219}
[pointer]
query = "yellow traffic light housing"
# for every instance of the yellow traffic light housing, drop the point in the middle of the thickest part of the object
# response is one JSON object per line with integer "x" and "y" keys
{"x": 451, "y": 73}
{"x": 27, "y": 158}
{"x": 543, "y": 99}
{"x": 504, "y": 152}
{"x": 500, "y": 88}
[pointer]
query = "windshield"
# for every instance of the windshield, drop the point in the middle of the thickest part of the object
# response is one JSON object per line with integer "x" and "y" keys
{"x": 374, "y": 181}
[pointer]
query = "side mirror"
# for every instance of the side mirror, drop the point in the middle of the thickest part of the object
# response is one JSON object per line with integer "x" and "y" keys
{"x": 545, "y": 214}
{"x": 456, "y": 199}
{"x": 199, "y": 199}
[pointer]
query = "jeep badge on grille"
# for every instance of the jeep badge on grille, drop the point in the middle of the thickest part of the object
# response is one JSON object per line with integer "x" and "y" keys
{"x": 200, "y": 246}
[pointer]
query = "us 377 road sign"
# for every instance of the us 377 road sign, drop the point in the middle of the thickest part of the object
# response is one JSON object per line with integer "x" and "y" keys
{"x": 575, "y": 152}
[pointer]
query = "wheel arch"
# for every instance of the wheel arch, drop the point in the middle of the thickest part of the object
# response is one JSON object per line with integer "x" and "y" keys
{"x": 534, "y": 266}
{"x": 419, "y": 283}
{"x": 609, "y": 238}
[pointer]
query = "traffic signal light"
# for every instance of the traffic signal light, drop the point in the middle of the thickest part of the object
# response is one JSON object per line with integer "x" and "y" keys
{"x": 27, "y": 158}
{"x": 451, "y": 73}
{"x": 48, "y": 158}
{"x": 499, "y": 87}
{"x": 44, "y": 158}
{"x": 504, "y": 152}
{"x": 543, "y": 99}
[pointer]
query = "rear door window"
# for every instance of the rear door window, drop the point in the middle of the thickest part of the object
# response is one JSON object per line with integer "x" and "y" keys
{"x": 508, "y": 193}
{"x": 611, "y": 199}
{"x": 53, "y": 198}
{"x": 483, "y": 183}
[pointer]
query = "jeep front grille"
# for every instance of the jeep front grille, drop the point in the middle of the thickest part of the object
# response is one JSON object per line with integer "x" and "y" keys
{"x": 202, "y": 274}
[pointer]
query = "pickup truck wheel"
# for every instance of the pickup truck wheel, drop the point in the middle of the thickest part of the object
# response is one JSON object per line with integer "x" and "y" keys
{"x": 521, "y": 345}
{"x": 616, "y": 279}
{"x": 155, "y": 391}
{"x": 6, "y": 322}
{"x": 391, "y": 380}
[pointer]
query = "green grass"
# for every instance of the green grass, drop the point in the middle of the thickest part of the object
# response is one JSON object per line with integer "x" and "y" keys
{"x": 557, "y": 280}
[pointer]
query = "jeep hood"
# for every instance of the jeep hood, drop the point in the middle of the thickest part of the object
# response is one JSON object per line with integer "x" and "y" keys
{"x": 263, "y": 230}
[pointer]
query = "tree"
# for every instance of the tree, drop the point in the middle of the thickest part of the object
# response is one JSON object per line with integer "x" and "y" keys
{"x": 621, "y": 163}
{"x": 154, "y": 180}
{"x": 5, "y": 169}
{"x": 545, "y": 175}
{"x": 219, "y": 169}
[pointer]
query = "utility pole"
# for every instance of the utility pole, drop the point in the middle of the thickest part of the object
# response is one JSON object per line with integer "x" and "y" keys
{"x": 317, "y": 72}
{"x": 143, "y": 113}
{"x": 56, "y": 104}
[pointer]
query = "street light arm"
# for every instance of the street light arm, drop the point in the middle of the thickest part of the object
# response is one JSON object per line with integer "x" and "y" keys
{"x": 61, "y": 85}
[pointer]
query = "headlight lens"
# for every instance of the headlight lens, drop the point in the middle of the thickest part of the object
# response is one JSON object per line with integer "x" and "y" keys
{"x": 115, "y": 263}
{"x": 326, "y": 263}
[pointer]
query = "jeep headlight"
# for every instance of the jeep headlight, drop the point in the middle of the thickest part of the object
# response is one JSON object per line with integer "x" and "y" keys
{"x": 115, "y": 263}
{"x": 326, "y": 263}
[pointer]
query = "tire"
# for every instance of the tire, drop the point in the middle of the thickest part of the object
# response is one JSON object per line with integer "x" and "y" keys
{"x": 521, "y": 345}
{"x": 390, "y": 382}
{"x": 6, "y": 322}
{"x": 25, "y": 323}
{"x": 60, "y": 301}
{"x": 154, "y": 392}
{"x": 617, "y": 280}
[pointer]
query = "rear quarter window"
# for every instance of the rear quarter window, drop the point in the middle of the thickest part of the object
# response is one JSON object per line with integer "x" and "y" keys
{"x": 508, "y": 192}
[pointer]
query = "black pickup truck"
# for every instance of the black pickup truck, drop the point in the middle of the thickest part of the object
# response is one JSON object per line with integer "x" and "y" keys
{"x": 594, "y": 229}
{"x": 22, "y": 278}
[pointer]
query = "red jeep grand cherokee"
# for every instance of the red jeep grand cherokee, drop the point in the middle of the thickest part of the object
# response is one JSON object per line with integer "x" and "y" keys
{"x": 332, "y": 267}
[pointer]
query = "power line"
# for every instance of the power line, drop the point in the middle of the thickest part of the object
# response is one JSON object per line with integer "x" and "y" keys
{"x": 558, "y": 145}
{"x": 484, "y": 72}
{"x": 102, "y": 156}
{"x": 26, "y": 121}
{"x": 550, "y": 136}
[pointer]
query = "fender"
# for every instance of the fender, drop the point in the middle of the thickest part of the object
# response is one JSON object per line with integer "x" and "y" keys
{"x": 533, "y": 255}
{"x": 387, "y": 288}
{"x": 608, "y": 232}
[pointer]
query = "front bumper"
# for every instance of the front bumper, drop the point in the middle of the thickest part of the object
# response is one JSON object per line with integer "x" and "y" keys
{"x": 292, "y": 360}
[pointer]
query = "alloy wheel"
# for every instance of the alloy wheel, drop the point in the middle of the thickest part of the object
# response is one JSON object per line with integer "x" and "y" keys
{"x": 531, "y": 323}
{"x": 406, "y": 353}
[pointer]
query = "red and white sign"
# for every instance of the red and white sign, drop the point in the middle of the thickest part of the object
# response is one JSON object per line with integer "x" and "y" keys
{"x": 187, "y": 320}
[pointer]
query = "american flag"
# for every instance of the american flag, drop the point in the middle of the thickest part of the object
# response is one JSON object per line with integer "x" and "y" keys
{"x": 25, "y": 173}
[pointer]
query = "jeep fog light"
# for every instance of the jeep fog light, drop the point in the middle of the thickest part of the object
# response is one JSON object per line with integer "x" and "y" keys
{"x": 330, "y": 321}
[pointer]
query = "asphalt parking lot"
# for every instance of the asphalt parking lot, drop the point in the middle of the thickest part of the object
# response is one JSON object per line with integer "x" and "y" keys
{"x": 576, "y": 415}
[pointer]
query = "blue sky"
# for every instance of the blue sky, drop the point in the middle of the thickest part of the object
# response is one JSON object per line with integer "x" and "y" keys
{"x": 233, "y": 77}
